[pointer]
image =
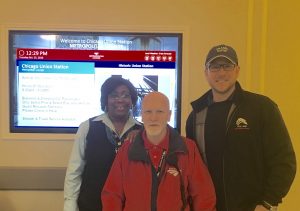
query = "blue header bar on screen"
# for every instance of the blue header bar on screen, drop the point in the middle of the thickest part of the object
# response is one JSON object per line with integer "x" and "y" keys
{"x": 56, "y": 67}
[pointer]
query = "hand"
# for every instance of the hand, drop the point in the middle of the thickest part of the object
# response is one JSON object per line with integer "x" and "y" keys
{"x": 260, "y": 208}
{"x": 131, "y": 135}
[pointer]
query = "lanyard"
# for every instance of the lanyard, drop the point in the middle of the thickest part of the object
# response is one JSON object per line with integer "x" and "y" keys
{"x": 118, "y": 144}
{"x": 114, "y": 138}
{"x": 161, "y": 162}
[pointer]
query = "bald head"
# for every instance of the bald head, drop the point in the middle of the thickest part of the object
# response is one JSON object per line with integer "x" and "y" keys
{"x": 155, "y": 116}
{"x": 156, "y": 99}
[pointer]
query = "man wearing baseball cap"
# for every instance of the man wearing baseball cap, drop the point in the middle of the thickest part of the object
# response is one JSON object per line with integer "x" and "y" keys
{"x": 242, "y": 138}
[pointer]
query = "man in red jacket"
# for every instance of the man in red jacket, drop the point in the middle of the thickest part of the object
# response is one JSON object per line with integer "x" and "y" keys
{"x": 159, "y": 170}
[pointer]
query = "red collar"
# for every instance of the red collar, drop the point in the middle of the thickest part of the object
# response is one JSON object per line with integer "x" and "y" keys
{"x": 164, "y": 144}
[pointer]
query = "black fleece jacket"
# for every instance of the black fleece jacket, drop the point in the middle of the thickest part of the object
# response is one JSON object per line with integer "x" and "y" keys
{"x": 259, "y": 160}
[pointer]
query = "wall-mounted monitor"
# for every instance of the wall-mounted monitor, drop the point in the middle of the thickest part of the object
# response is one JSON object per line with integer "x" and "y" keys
{"x": 56, "y": 76}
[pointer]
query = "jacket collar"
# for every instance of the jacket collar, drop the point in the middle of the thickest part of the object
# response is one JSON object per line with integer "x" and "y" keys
{"x": 106, "y": 120}
{"x": 137, "y": 151}
{"x": 207, "y": 99}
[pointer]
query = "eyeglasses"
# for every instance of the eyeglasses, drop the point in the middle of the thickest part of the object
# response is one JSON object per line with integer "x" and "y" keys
{"x": 115, "y": 96}
{"x": 217, "y": 67}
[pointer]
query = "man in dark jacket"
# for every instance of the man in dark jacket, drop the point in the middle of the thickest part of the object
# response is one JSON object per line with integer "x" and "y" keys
{"x": 242, "y": 138}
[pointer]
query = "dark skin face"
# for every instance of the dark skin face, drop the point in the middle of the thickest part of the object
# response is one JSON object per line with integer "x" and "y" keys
{"x": 118, "y": 104}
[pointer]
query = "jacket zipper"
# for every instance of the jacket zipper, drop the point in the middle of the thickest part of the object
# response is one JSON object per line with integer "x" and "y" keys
{"x": 223, "y": 162}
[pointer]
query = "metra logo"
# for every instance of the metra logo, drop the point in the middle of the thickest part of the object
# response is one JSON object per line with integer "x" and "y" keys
{"x": 241, "y": 123}
{"x": 222, "y": 49}
{"x": 96, "y": 56}
{"x": 173, "y": 171}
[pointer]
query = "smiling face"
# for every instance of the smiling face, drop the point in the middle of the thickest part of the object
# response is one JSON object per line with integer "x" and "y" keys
{"x": 119, "y": 103}
{"x": 155, "y": 116}
{"x": 222, "y": 81}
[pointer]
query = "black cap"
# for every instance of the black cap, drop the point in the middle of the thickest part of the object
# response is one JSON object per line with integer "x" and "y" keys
{"x": 222, "y": 51}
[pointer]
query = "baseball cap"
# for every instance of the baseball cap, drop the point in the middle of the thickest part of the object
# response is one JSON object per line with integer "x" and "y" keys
{"x": 222, "y": 51}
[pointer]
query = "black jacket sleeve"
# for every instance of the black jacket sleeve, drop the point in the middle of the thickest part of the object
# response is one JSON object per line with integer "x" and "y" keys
{"x": 279, "y": 155}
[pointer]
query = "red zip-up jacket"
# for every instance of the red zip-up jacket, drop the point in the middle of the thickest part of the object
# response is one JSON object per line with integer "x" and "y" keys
{"x": 129, "y": 184}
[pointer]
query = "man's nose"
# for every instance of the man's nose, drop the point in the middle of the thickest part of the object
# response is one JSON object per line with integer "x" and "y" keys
{"x": 153, "y": 116}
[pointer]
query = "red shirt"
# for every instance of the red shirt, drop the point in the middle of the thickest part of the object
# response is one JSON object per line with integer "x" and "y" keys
{"x": 155, "y": 151}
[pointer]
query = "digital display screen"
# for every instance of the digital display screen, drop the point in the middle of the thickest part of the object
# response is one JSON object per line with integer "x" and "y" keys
{"x": 56, "y": 77}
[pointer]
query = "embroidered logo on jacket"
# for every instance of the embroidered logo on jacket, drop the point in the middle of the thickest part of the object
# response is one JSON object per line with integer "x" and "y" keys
{"x": 241, "y": 123}
{"x": 173, "y": 171}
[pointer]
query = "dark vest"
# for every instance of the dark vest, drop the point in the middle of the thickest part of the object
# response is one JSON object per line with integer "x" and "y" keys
{"x": 99, "y": 156}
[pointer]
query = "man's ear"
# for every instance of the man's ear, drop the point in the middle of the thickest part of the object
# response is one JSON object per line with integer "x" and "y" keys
{"x": 205, "y": 70}
{"x": 169, "y": 117}
{"x": 238, "y": 69}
